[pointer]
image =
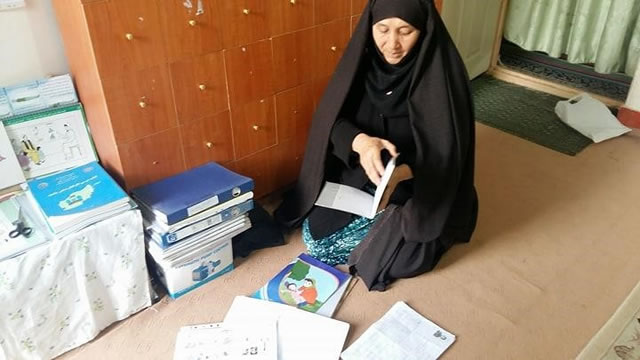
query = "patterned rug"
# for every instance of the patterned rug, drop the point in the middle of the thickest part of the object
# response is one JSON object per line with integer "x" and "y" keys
{"x": 619, "y": 338}
{"x": 583, "y": 77}
{"x": 525, "y": 113}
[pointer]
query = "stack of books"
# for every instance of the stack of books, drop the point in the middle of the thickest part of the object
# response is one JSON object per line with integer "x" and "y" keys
{"x": 51, "y": 183}
{"x": 190, "y": 219}
{"x": 73, "y": 199}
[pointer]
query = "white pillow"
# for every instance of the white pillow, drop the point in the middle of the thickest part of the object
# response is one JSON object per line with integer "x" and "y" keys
{"x": 590, "y": 117}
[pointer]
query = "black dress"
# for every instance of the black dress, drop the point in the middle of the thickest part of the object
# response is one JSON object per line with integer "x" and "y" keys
{"x": 360, "y": 115}
{"x": 408, "y": 239}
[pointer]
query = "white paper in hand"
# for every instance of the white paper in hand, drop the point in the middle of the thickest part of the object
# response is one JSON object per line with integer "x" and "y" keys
{"x": 352, "y": 200}
{"x": 401, "y": 334}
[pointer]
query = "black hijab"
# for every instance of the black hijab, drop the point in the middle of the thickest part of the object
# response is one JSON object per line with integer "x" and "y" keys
{"x": 408, "y": 240}
{"x": 387, "y": 85}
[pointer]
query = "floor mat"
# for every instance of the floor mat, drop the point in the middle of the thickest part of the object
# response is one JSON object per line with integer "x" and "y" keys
{"x": 525, "y": 113}
{"x": 583, "y": 77}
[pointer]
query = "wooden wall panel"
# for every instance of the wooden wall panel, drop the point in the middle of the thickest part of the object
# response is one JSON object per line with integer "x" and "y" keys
{"x": 287, "y": 15}
{"x": 332, "y": 39}
{"x": 152, "y": 158}
{"x": 189, "y": 32}
{"x": 254, "y": 127}
{"x": 140, "y": 103}
{"x": 126, "y": 35}
{"x": 249, "y": 72}
{"x": 208, "y": 139}
{"x": 199, "y": 86}
{"x": 329, "y": 10}
{"x": 167, "y": 88}
{"x": 244, "y": 21}
{"x": 293, "y": 59}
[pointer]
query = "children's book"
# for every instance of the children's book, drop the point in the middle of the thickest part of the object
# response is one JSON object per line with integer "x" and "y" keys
{"x": 9, "y": 166}
{"x": 349, "y": 199}
{"x": 77, "y": 197}
{"x": 183, "y": 195}
{"x": 307, "y": 284}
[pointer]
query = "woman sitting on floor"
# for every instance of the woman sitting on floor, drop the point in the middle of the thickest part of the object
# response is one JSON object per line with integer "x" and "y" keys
{"x": 400, "y": 88}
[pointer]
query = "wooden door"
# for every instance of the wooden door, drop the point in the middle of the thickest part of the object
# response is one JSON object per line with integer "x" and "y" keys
{"x": 473, "y": 25}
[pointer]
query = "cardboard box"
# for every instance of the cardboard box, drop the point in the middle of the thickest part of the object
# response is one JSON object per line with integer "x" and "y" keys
{"x": 202, "y": 268}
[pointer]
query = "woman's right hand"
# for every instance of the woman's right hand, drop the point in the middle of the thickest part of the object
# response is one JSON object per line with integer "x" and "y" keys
{"x": 369, "y": 149}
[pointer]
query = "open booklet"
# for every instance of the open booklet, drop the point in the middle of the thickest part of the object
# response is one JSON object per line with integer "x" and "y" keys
{"x": 349, "y": 199}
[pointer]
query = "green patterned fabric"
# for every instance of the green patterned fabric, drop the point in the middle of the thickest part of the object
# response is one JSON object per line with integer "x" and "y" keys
{"x": 603, "y": 32}
{"x": 336, "y": 248}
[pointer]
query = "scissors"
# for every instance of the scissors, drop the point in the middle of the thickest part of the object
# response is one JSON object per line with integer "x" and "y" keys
{"x": 20, "y": 229}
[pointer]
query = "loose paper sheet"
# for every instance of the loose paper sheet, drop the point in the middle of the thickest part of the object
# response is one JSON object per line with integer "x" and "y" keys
{"x": 301, "y": 334}
{"x": 401, "y": 334}
{"x": 255, "y": 341}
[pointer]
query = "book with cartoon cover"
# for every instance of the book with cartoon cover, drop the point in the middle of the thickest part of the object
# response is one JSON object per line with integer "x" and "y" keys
{"x": 308, "y": 284}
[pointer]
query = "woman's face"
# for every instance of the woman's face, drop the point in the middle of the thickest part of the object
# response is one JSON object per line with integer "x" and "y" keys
{"x": 394, "y": 38}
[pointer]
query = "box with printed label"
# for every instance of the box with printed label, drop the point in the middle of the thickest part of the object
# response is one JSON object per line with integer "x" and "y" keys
{"x": 181, "y": 278}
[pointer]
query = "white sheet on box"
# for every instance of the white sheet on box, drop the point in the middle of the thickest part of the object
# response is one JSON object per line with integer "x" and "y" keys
{"x": 60, "y": 295}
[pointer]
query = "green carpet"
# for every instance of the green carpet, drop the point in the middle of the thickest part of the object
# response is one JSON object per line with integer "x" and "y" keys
{"x": 525, "y": 113}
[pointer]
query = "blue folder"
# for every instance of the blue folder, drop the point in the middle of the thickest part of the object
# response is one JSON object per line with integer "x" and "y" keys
{"x": 177, "y": 197}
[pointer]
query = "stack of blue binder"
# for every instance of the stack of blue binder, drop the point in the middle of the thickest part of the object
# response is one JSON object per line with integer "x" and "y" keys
{"x": 190, "y": 219}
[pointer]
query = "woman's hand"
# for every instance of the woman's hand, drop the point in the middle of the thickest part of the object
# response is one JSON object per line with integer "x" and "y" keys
{"x": 369, "y": 149}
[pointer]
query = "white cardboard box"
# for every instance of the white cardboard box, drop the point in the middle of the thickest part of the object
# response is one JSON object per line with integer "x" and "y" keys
{"x": 181, "y": 279}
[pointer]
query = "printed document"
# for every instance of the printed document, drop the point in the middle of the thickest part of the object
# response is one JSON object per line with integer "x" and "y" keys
{"x": 255, "y": 341}
{"x": 401, "y": 334}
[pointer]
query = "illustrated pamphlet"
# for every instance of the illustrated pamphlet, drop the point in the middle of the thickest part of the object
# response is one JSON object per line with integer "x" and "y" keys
{"x": 9, "y": 167}
{"x": 51, "y": 140}
{"x": 352, "y": 200}
{"x": 307, "y": 284}
{"x": 37, "y": 95}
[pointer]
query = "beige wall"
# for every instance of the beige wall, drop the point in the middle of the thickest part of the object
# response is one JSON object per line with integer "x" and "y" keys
{"x": 30, "y": 44}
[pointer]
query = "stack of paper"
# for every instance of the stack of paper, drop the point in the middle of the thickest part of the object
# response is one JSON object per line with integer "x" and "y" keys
{"x": 76, "y": 198}
{"x": 262, "y": 330}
